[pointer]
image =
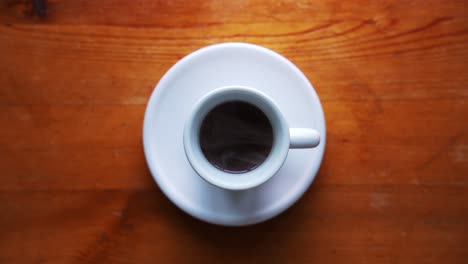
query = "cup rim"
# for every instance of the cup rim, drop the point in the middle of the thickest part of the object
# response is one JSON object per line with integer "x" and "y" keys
{"x": 226, "y": 180}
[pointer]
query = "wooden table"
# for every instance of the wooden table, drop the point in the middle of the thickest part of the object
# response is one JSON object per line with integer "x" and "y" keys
{"x": 76, "y": 76}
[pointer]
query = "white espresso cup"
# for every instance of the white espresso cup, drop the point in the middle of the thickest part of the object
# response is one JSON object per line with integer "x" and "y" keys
{"x": 284, "y": 138}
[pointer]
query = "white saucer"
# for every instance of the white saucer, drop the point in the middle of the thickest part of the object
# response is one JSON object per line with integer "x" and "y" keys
{"x": 172, "y": 100}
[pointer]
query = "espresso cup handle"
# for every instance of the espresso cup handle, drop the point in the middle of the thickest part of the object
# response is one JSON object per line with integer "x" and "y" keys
{"x": 303, "y": 138}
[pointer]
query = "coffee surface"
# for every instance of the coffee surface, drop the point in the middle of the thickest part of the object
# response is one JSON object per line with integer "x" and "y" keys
{"x": 236, "y": 137}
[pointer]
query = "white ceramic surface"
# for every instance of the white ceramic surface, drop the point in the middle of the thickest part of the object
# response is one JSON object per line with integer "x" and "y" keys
{"x": 300, "y": 138}
{"x": 172, "y": 102}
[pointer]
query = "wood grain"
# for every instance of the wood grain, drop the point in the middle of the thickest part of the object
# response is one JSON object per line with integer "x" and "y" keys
{"x": 74, "y": 82}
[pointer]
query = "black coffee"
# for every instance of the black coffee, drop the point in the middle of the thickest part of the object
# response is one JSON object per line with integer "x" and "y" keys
{"x": 236, "y": 137}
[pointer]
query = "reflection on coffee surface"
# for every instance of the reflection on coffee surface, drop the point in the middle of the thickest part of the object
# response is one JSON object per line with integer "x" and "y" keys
{"x": 236, "y": 137}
